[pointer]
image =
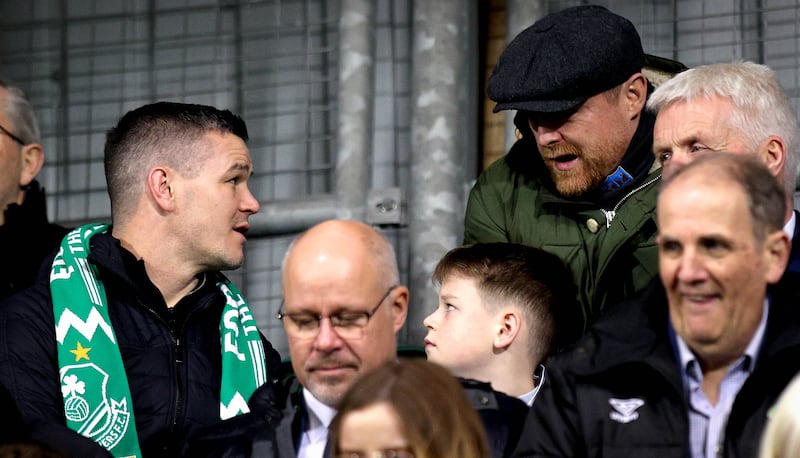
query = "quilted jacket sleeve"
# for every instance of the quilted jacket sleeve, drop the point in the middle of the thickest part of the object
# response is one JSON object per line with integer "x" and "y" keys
{"x": 488, "y": 209}
{"x": 28, "y": 361}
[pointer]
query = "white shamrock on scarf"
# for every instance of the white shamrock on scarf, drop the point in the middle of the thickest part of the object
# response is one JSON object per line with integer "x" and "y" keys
{"x": 72, "y": 385}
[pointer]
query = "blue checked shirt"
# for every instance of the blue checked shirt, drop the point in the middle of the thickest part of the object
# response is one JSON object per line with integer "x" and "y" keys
{"x": 706, "y": 421}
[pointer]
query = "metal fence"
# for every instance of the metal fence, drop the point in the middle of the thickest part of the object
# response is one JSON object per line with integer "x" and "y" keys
{"x": 276, "y": 62}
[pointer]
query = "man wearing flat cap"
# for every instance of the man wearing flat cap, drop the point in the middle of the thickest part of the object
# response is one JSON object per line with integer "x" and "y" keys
{"x": 581, "y": 181}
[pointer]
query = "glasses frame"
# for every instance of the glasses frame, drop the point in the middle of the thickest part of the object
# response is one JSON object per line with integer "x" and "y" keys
{"x": 12, "y": 136}
{"x": 319, "y": 317}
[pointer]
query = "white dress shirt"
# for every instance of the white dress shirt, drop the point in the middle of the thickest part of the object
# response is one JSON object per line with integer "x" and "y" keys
{"x": 314, "y": 438}
{"x": 789, "y": 228}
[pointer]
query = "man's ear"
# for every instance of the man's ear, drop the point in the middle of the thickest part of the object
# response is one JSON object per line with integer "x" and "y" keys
{"x": 773, "y": 153}
{"x": 634, "y": 92}
{"x": 159, "y": 186}
{"x": 776, "y": 254}
{"x": 510, "y": 325}
{"x": 399, "y": 301}
{"x": 32, "y": 162}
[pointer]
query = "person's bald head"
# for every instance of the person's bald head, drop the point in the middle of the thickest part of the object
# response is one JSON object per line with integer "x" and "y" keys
{"x": 342, "y": 241}
{"x": 339, "y": 267}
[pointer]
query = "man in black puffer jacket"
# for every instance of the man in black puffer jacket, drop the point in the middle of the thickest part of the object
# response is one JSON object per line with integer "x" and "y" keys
{"x": 136, "y": 339}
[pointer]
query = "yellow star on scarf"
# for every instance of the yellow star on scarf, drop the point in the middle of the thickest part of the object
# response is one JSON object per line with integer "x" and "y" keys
{"x": 80, "y": 352}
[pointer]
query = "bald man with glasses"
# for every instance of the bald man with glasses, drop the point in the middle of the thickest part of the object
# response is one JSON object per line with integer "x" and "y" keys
{"x": 348, "y": 324}
{"x": 332, "y": 276}
{"x": 343, "y": 307}
{"x": 25, "y": 233}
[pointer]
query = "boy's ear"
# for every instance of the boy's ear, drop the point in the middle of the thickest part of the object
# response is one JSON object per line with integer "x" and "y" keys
{"x": 510, "y": 325}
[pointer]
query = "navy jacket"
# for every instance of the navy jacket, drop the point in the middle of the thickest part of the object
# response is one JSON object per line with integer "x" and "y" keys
{"x": 794, "y": 256}
{"x": 503, "y": 416}
{"x": 273, "y": 427}
{"x": 619, "y": 391}
{"x": 172, "y": 357}
{"x": 271, "y": 430}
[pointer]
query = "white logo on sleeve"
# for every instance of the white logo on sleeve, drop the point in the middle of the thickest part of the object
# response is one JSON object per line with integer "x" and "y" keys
{"x": 624, "y": 409}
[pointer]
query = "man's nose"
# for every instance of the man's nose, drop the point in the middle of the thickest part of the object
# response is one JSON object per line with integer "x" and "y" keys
{"x": 249, "y": 203}
{"x": 546, "y": 136}
{"x": 327, "y": 339}
{"x": 691, "y": 267}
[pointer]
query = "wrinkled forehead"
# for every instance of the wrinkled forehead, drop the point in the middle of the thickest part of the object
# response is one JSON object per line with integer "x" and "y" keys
{"x": 699, "y": 206}
{"x": 697, "y": 178}
{"x": 329, "y": 298}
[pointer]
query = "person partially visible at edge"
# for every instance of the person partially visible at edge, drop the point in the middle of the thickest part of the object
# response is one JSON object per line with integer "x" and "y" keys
{"x": 409, "y": 409}
{"x": 781, "y": 437}
{"x": 343, "y": 306}
{"x": 695, "y": 363}
{"x": 738, "y": 107}
{"x": 581, "y": 181}
{"x": 136, "y": 338}
{"x": 499, "y": 309}
{"x": 25, "y": 232}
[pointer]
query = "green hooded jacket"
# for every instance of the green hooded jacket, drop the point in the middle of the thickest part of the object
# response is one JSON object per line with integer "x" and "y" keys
{"x": 610, "y": 247}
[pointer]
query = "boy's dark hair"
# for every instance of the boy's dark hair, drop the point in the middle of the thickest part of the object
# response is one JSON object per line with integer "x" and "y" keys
{"x": 536, "y": 281}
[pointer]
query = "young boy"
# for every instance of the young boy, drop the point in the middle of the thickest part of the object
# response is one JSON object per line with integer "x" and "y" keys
{"x": 500, "y": 306}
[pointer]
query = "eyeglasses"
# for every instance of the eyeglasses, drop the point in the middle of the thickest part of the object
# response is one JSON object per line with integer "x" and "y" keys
{"x": 387, "y": 453}
{"x": 348, "y": 324}
{"x": 12, "y": 136}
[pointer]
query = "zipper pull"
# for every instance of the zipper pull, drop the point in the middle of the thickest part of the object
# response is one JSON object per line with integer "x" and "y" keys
{"x": 178, "y": 351}
{"x": 610, "y": 214}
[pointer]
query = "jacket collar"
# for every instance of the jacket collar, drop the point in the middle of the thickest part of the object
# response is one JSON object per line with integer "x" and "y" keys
{"x": 783, "y": 323}
{"x": 636, "y": 332}
{"x": 794, "y": 254}
{"x": 107, "y": 253}
{"x": 33, "y": 209}
{"x": 118, "y": 265}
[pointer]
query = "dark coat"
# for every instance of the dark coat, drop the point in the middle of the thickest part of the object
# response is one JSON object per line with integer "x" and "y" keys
{"x": 271, "y": 430}
{"x": 794, "y": 255}
{"x": 172, "y": 357}
{"x": 278, "y": 412}
{"x": 27, "y": 239}
{"x": 503, "y": 416}
{"x": 629, "y": 354}
{"x": 27, "y": 439}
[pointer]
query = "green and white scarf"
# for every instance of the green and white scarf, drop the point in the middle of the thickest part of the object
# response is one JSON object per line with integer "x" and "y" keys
{"x": 97, "y": 399}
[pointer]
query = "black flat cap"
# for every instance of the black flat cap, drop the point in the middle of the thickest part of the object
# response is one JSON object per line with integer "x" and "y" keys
{"x": 565, "y": 58}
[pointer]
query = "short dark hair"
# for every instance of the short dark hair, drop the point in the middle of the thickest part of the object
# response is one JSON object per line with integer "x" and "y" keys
{"x": 766, "y": 199}
{"x": 535, "y": 280}
{"x": 160, "y": 133}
